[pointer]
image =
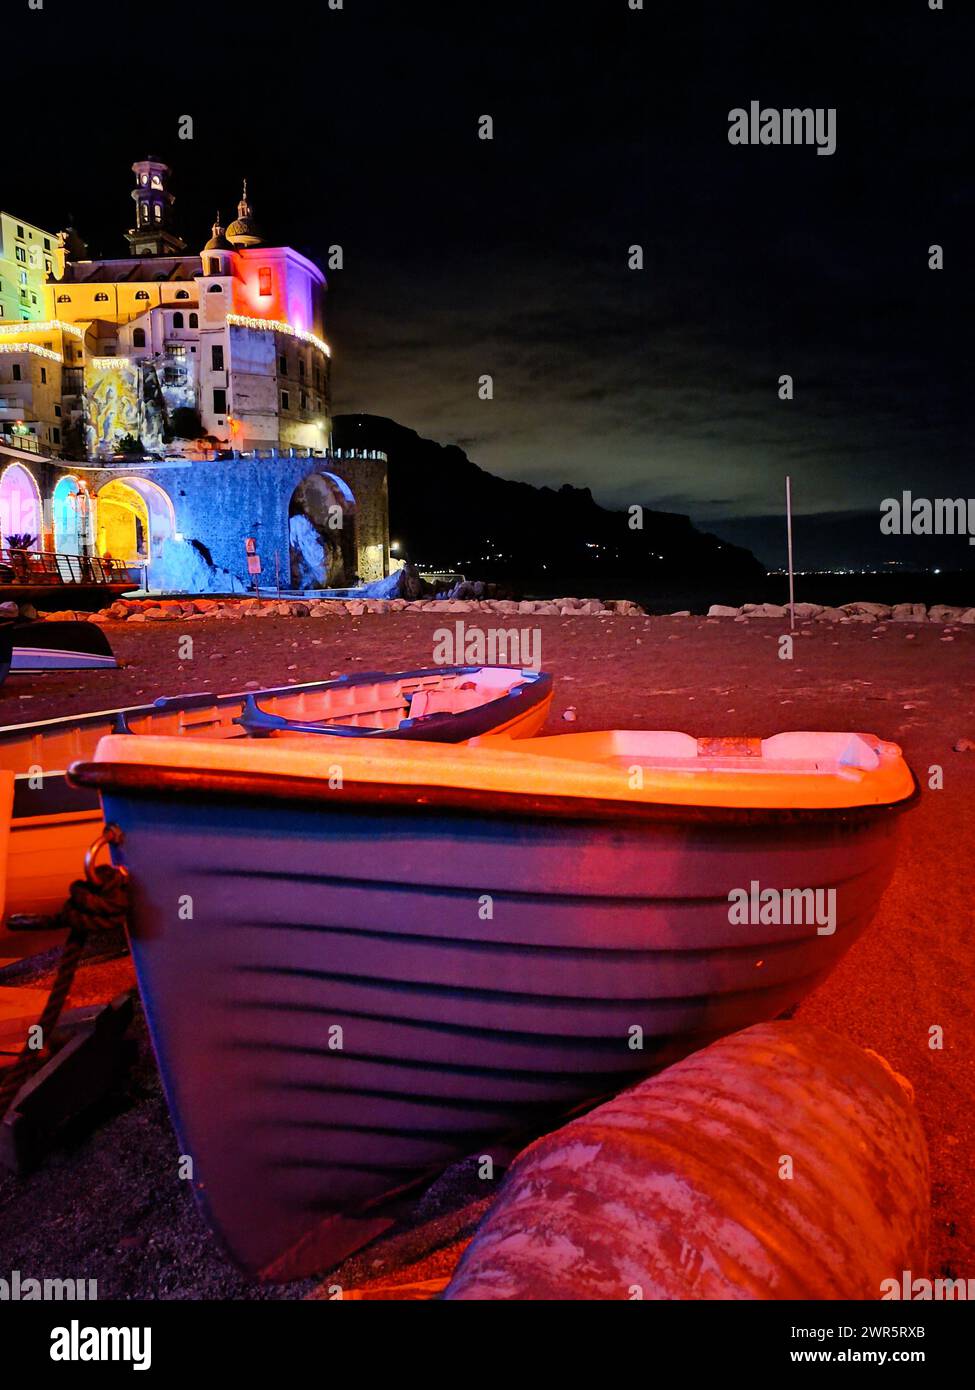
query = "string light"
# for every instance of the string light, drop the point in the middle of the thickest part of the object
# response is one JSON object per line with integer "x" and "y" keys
{"x": 44, "y": 326}
{"x": 278, "y": 326}
{"x": 32, "y": 347}
{"x": 101, "y": 363}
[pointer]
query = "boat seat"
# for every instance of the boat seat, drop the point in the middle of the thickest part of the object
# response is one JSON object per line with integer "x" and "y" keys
{"x": 455, "y": 701}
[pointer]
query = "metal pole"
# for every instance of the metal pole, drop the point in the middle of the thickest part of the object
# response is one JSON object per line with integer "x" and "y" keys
{"x": 792, "y": 581}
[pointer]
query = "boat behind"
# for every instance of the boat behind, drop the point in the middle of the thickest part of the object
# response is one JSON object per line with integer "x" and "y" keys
{"x": 54, "y": 823}
{"x": 359, "y": 964}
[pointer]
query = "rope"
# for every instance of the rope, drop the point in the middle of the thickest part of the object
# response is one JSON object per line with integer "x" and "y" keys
{"x": 99, "y": 901}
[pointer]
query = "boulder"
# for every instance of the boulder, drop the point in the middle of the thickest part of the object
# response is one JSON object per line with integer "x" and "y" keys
{"x": 945, "y": 613}
{"x": 721, "y": 610}
{"x": 877, "y": 611}
{"x": 807, "y": 611}
{"x": 763, "y": 610}
{"x": 626, "y": 608}
{"x": 830, "y": 615}
{"x": 968, "y": 616}
{"x": 909, "y": 613}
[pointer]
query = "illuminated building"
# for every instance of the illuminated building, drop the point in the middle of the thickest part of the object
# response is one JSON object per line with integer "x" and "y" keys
{"x": 27, "y": 255}
{"x": 167, "y": 364}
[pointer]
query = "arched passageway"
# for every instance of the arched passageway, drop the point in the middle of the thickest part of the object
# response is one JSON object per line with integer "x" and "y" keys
{"x": 321, "y": 528}
{"x": 20, "y": 507}
{"x": 71, "y": 515}
{"x": 134, "y": 518}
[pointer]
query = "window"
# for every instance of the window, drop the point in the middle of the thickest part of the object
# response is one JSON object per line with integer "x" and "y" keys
{"x": 220, "y": 402}
{"x": 20, "y": 231}
{"x": 64, "y": 299}
{"x": 57, "y": 412}
{"x": 264, "y": 280}
{"x": 139, "y": 337}
{"x": 16, "y": 371}
{"x": 101, "y": 297}
{"x": 194, "y": 320}
{"x": 285, "y": 400}
{"x": 157, "y": 212}
{"x": 143, "y": 212}
{"x": 142, "y": 294}
{"x": 43, "y": 376}
{"x": 48, "y": 264}
{"x": 176, "y": 352}
{"x": 304, "y": 401}
{"x": 55, "y": 434}
{"x": 177, "y": 320}
{"x": 301, "y": 368}
{"x": 21, "y": 254}
{"x": 156, "y": 181}
{"x": 216, "y": 357}
{"x": 215, "y": 289}
{"x": 47, "y": 243}
{"x": 283, "y": 365}
{"x": 182, "y": 294}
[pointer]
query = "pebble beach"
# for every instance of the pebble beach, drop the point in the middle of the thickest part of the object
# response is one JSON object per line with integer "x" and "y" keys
{"x": 107, "y": 1204}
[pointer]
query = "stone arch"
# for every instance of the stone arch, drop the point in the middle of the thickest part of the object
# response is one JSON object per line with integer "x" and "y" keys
{"x": 20, "y": 505}
{"x": 71, "y": 516}
{"x": 135, "y": 517}
{"x": 321, "y": 530}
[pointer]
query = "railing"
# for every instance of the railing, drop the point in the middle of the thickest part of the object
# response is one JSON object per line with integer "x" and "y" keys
{"x": 53, "y": 567}
{"x": 27, "y": 442}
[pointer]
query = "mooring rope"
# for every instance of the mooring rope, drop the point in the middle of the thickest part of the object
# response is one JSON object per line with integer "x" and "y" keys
{"x": 99, "y": 900}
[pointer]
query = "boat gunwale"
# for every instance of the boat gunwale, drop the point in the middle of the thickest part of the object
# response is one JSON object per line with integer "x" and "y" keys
{"x": 229, "y": 786}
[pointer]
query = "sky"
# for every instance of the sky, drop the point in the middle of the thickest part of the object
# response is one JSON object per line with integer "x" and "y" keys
{"x": 358, "y": 127}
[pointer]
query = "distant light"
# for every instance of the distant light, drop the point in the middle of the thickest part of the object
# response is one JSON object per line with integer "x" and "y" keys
{"x": 394, "y": 547}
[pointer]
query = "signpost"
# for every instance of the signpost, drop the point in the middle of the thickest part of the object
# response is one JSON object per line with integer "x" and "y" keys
{"x": 253, "y": 561}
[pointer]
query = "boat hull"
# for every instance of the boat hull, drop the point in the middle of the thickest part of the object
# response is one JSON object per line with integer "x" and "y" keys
{"x": 345, "y": 999}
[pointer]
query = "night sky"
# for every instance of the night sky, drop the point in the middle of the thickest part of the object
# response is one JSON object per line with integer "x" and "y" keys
{"x": 358, "y": 127}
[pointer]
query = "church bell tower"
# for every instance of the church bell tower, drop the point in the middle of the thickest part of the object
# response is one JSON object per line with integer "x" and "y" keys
{"x": 153, "y": 234}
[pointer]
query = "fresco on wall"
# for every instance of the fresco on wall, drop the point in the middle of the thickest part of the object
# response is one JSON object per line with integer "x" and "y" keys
{"x": 138, "y": 398}
{"x": 111, "y": 403}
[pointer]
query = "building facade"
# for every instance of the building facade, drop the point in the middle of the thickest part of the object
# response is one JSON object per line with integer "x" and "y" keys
{"x": 27, "y": 256}
{"x": 177, "y": 404}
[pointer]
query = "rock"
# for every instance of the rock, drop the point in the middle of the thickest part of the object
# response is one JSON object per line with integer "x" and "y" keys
{"x": 909, "y": 613}
{"x": 968, "y": 616}
{"x": 300, "y": 610}
{"x": 721, "y": 610}
{"x": 136, "y": 618}
{"x": 680, "y": 613}
{"x": 355, "y": 608}
{"x": 9, "y": 609}
{"x": 319, "y": 610}
{"x": 159, "y": 615}
{"x": 806, "y": 611}
{"x": 763, "y": 610}
{"x": 626, "y": 608}
{"x": 830, "y": 615}
{"x": 28, "y": 612}
{"x": 945, "y": 613}
{"x": 965, "y": 745}
{"x": 549, "y": 608}
{"x": 869, "y": 610}
{"x": 591, "y": 605}
{"x": 570, "y": 714}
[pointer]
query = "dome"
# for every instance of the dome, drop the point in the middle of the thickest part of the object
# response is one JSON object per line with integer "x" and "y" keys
{"x": 243, "y": 230}
{"x": 218, "y": 241}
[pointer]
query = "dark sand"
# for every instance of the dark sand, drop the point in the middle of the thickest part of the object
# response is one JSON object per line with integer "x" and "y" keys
{"x": 108, "y": 1205}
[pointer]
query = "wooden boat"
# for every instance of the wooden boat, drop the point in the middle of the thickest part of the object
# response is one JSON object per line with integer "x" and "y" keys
{"x": 399, "y": 952}
{"x": 54, "y": 823}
